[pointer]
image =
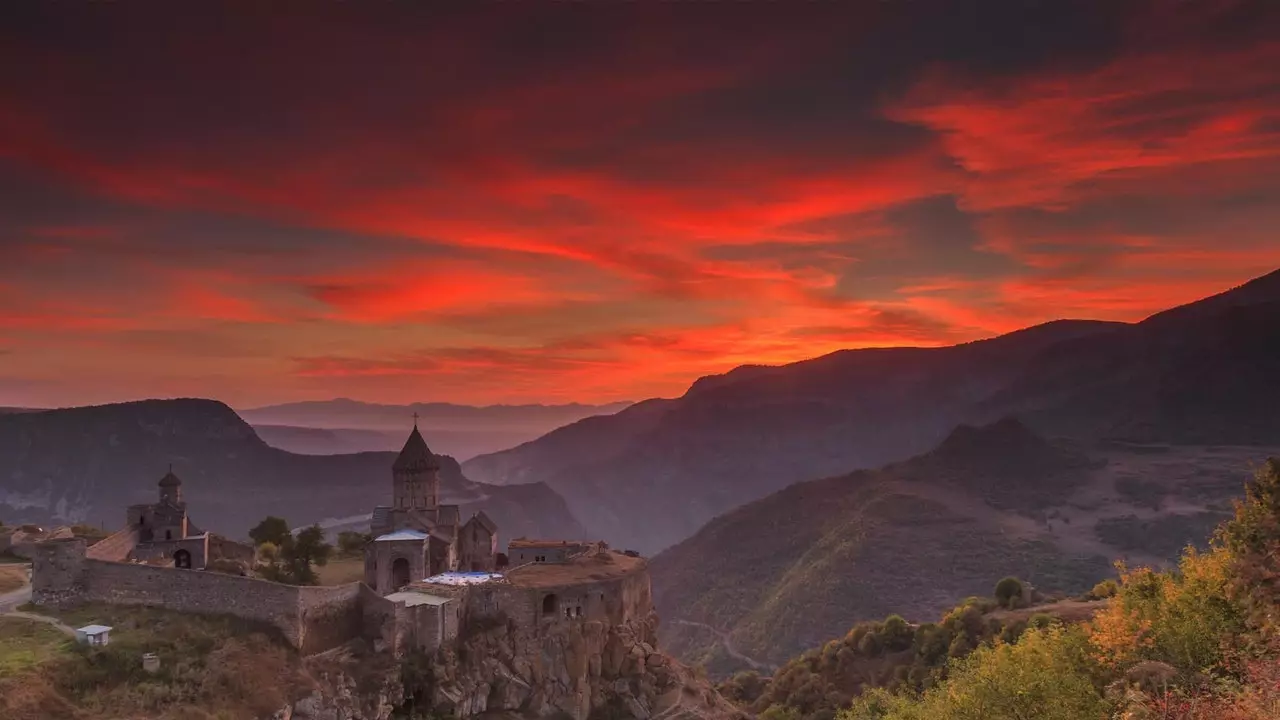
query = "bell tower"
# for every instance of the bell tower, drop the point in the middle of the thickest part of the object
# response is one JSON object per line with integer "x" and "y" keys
{"x": 170, "y": 489}
{"x": 415, "y": 475}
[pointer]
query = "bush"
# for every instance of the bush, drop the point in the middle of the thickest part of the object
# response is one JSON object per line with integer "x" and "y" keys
{"x": 896, "y": 634}
{"x": 1103, "y": 590}
{"x": 1048, "y": 675}
{"x": 1009, "y": 592}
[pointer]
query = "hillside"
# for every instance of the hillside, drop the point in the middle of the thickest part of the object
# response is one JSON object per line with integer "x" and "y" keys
{"x": 1204, "y": 374}
{"x": 786, "y": 572}
{"x": 327, "y": 427}
{"x": 87, "y": 464}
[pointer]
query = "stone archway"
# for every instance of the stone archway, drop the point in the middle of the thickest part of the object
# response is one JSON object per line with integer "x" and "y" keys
{"x": 182, "y": 559}
{"x": 400, "y": 573}
{"x": 550, "y": 604}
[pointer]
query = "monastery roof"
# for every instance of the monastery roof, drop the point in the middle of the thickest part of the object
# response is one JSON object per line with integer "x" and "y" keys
{"x": 464, "y": 578}
{"x": 402, "y": 534}
{"x": 170, "y": 480}
{"x": 415, "y": 456}
{"x": 528, "y": 543}
{"x": 485, "y": 521}
{"x": 411, "y": 598}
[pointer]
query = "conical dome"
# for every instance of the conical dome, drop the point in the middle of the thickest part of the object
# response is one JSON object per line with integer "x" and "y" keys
{"x": 415, "y": 456}
{"x": 170, "y": 480}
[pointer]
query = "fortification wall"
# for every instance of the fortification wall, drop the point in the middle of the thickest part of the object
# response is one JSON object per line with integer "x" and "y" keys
{"x": 328, "y": 616}
{"x": 312, "y": 619}
{"x": 194, "y": 591}
{"x": 614, "y": 601}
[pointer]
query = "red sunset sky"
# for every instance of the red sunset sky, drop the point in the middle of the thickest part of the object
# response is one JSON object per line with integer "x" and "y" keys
{"x": 594, "y": 201}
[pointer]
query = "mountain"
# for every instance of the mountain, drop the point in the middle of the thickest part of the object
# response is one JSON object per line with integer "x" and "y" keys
{"x": 462, "y": 431}
{"x": 649, "y": 476}
{"x": 787, "y": 572}
{"x": 329, "y": 441}
{"x": 87, "y": 464}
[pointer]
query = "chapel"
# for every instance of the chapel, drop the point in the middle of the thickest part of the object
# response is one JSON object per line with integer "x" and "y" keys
{"x": 416, "y": 536}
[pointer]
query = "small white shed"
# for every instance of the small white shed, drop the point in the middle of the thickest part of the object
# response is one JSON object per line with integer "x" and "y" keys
{"x": 96, "y": 635}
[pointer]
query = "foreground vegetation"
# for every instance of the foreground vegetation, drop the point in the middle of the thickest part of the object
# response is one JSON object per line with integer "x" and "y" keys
{"x": 1197, "y": 642}
{"x": 210, "y": 667}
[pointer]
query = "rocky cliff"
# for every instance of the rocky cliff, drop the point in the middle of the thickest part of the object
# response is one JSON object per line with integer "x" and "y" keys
{"x": 579, "y": 671}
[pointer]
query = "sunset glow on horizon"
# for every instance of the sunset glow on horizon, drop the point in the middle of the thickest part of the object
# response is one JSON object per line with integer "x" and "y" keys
{"x": 557, "y": 202}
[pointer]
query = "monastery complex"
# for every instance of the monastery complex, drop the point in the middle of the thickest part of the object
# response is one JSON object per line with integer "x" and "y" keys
{"x": 427, "y": 573}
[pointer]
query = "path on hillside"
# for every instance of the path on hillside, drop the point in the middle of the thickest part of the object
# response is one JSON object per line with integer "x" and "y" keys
{"x": 728, "y": 646}
{"x": 11, "y": 600}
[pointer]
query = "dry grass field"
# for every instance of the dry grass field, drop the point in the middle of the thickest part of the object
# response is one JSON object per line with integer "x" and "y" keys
{"x": 341, "y": 570}
{"x": 12, "y": 577}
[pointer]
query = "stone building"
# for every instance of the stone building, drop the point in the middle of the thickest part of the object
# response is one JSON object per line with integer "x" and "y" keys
{"x": 417, "y": 536}
{"x": 524, "y": 550}
{"x": 163, "y": 533}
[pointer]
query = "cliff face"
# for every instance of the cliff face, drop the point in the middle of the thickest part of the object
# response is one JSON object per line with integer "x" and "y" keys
{"x": 579, "y": 671}
{"x": 576, "y": 669}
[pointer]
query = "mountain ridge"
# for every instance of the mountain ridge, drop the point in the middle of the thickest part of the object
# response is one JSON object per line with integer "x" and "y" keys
{"x": 1198, "y": 374}
{"x": 87, "y": 464}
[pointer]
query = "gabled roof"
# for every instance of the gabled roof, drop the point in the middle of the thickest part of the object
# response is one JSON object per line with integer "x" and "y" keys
{"x": 485, "y": 521}
{"x": 415, "y": 456}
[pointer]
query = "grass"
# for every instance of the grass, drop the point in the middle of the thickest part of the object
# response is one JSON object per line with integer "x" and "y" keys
{"x": 341, "y": 570}
{"x": 210, "y": 666}
{"x": 25, "y": 644}
{"x": 12, "y": 577}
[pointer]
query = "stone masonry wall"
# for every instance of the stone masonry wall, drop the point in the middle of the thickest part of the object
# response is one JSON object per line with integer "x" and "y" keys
{"x": 194, "y": 591}
{"x": 312, "y": 619}
{"x": 328, "y": 616}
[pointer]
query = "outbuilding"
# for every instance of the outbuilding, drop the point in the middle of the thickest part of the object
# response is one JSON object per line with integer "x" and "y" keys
{"x": 95, "y": 635}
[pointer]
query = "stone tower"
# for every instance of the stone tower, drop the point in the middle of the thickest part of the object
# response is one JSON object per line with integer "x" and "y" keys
{"x": 170, "y": 489}
{"x": 416, "y": 476}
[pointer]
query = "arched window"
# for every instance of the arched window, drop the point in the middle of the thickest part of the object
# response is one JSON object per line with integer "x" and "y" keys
{"x": 550, "y": 604}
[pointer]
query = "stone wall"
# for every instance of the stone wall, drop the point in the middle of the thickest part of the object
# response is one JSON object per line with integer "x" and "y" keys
{"x": 312, "y": 619}
{"x": 328, "y": 616}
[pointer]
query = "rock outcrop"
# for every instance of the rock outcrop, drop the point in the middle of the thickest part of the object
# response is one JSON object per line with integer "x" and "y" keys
{"x": 579, "y": 671}
{"x": 573, "y": 670}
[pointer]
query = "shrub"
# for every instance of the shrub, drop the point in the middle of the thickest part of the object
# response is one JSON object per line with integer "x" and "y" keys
{"x": 1103, "y": 590}
{"x": 1048, "y": 675}
{"x": 896, "y": 634}
{"x": 1009, "y": 592}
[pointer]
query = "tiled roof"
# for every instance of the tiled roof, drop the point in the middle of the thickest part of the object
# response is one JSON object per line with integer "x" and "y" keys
{"x": 415, "y": 456}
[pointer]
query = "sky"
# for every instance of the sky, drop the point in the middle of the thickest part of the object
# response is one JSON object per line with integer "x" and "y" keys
{"x": 593, "y": 201}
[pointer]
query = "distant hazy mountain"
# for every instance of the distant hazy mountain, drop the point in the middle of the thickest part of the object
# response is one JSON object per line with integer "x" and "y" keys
{"x": 89, "y": 463}
{"x": 461, "y": 431}
{"x": 650, "y": 475}
{"x": 789, "y": 571}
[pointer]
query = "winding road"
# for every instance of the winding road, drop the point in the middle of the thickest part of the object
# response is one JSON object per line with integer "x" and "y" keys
{"x": 728, "y": 646}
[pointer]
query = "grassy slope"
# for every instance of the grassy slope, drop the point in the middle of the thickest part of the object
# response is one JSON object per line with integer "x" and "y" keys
{"x": 211, "y": 667}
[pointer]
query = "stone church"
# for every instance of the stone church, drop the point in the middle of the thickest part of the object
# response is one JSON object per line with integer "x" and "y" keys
{"x": 416, "y": 537}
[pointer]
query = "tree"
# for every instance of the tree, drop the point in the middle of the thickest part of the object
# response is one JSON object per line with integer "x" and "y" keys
{"x": 1009, "y": 592}
{"x": 301, "y": 552}
{"x": 271, "y": 530}
{"x": 1252, "y": 536}
{"x": 352, "y": 543}
{"x": 1048, "y": 675}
